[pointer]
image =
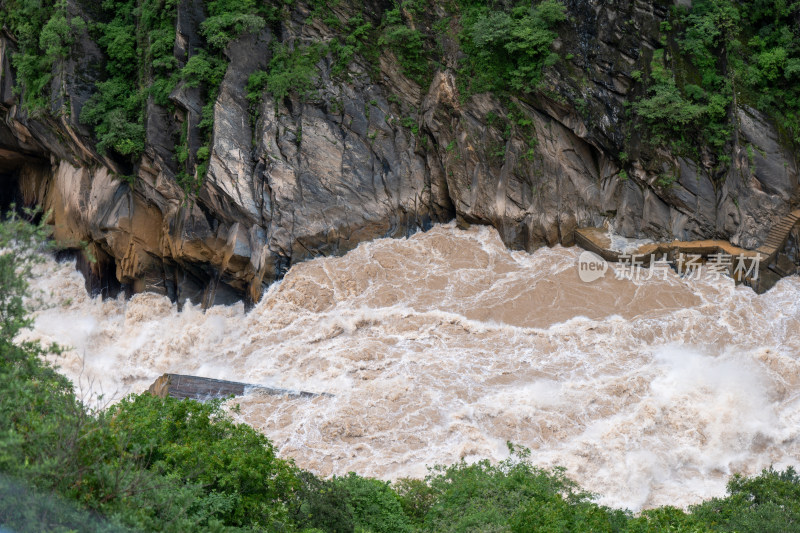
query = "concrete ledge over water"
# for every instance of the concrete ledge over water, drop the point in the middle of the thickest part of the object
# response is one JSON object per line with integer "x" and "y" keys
{"x": 200, "y": 388}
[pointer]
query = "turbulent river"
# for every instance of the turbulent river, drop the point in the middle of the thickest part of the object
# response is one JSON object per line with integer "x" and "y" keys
{"x": 446, "y": 345}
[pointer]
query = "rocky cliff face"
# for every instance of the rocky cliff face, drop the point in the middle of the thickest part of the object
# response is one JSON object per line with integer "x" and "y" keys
{"x": 377, "y": 155}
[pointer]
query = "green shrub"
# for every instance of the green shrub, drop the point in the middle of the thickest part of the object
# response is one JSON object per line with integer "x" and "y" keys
{"x": 292, "y": 70}
{"x": 723, "y": 50}
{"x": 357, "y": 39}
{"x": 322, "y": 505}
{"x": 551, "y": 512}
{"x": 374, "y": 505}
{"x": 44, "y": 36}
{"x": 411, "y": 123}
{"x": 666, "y": 180}
{"x": 406, "y": 43}
{"x": 768, "y": 503}
{"x": 222, "y": 29}
{"x": 256, "y": 83}
{"x": 116, "y": 113}
{"x": 229, "y": 19}
{"x": 244, "y": 482}
{"x": 416, "y": 498}
{"x": 508, "y": 49}
{"x": 667, "y": 519}
{"x": 491, "y": 497}
{"x": 203, "y": 69}
{"x": 671, "y": 117}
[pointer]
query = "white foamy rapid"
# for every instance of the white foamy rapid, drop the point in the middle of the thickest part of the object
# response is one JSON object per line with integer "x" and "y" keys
{"x": 446, "y": 345}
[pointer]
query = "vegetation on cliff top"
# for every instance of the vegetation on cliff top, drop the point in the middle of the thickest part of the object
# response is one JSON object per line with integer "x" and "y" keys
{"x": 716, "y": 54}
{"x": 45, "y": 34}
{"x": 507, "y": 50}
{"x": 151, "y": 464}
{"x": 137, "y": 38}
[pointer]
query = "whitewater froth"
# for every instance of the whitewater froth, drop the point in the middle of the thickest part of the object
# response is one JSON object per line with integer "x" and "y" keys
{"x": 446, "y": 345}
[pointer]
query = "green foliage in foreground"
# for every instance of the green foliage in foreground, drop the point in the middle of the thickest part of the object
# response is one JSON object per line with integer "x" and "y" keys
{"x": 150, "y": 464}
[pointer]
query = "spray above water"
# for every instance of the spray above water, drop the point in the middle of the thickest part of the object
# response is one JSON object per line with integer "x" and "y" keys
{"x": 446, "y": 345}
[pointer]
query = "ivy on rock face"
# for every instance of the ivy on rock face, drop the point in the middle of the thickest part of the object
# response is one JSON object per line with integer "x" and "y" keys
{"x": 228, "y": 19}
{"x": 681, "y": 117}
{"x": 769, "y": 70}
{"x": 158, "y": 20}
{"x": 718, "y": 54}
{"x": 116, "y": 109}
{"x": 507, "y": 50}
{"x": 137, "y": 38}
{"x": 45, "y": 34}
{"x": 723, "y": 53}
{"x": 407, "y": 44}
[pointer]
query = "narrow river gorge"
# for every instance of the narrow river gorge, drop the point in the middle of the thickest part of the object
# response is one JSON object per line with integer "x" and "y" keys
{"x": 446, "y": 345}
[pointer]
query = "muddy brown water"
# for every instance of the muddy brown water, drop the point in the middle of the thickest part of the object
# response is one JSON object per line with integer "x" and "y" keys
{"x": 446, "y": 345}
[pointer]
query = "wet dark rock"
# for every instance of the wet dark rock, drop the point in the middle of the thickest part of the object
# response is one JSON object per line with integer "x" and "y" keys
{"x": 307, "y": 178}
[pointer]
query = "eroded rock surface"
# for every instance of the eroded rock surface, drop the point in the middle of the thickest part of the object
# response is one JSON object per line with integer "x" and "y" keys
{"x": 301, "y": 178}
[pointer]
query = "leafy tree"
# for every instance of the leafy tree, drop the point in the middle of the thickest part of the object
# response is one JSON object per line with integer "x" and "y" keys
{"x": 243, "y": 481}
{"x": 508, "y": 49}
{"x": 407, "y": 44}
{"x": 724, "y": 53}
{"x": 44, "y": 35}
{"x": 290, "y": 70}
{"x": 769, "y": 503}
{"x": 375, "y": 507}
